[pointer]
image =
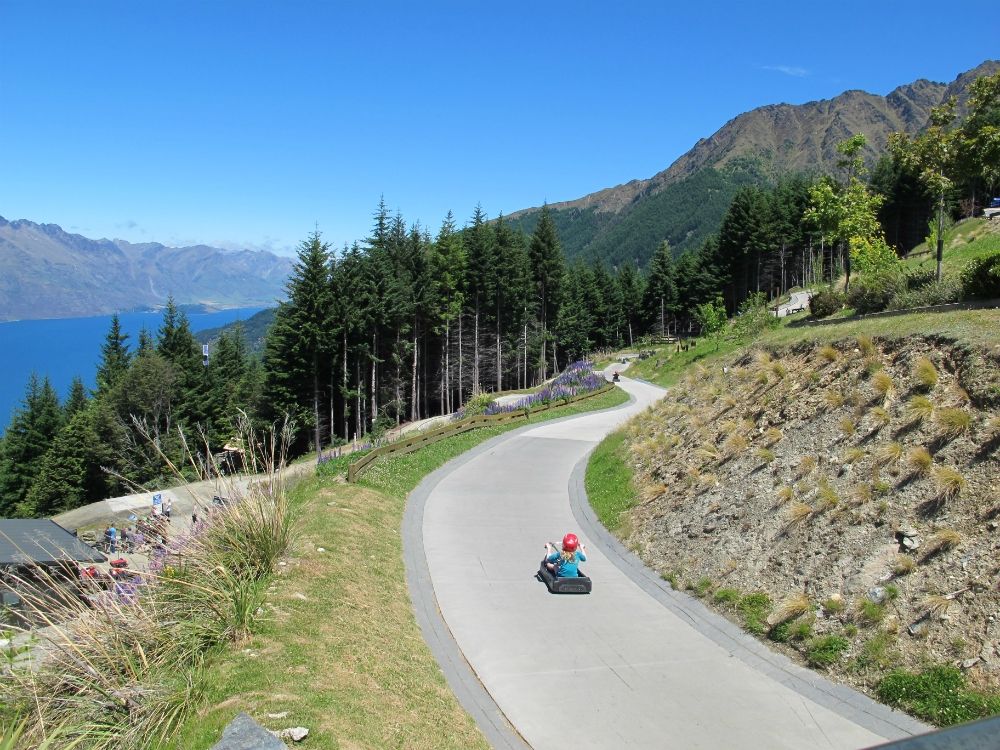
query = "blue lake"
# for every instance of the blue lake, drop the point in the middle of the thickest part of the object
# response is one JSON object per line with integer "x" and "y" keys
{"x": 65, "y": 348}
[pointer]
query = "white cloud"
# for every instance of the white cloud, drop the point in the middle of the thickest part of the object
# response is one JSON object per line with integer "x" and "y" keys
{"x": 789, "y": 70}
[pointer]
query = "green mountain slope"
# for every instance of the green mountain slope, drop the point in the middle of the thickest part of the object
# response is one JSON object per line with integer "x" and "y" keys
{"x": 683, "y": 213}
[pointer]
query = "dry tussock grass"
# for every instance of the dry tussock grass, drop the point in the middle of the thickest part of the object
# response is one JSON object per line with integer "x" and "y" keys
{"x": 919, "y": 408}
{"x": 798, "y": 512}
{"x": 920, "y": 461}
{"x": 790, "y": 608}
{"x": 952, "y": 422}
{"x": 925, "y": 373}
{"x": 949, "y": 481}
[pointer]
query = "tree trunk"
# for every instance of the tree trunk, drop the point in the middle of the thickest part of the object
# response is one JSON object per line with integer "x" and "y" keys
{"x": 347, "y": 427}
{"x": 447, "y": 366}
{"x": 373, "y": 414}
{"x": 461, "y": 365}
{"x": 318, "y": 445}
{"x": 414, "y": 406}
{"x": 475, "y": 351}
{"x": 940, "y": 236}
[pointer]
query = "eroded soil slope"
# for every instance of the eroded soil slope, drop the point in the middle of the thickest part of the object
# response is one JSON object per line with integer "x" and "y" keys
{"x": 855, "y": 485}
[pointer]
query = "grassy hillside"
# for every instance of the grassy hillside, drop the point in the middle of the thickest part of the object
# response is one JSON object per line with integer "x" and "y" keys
{"x": 340, "y": 650}
{"x": 965, "y": 241}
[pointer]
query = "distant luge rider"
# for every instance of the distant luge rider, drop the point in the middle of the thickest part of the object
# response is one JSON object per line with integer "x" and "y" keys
{"x": 566, "y": 564}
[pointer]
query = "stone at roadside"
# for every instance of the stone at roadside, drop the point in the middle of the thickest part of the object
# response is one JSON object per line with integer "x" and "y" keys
{"x": 295, "y": 734}
{"x": 969, "y": 663}
{"x": 243, "y": 733}
{"x": 876, "y": 594}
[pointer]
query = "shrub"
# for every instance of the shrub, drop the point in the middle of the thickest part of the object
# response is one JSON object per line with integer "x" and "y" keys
{"x": 477, "y": 404}
{"x": 847, "y": 426}
{"x": 825, "y": 303}
{"x": 919, "y": 408}
{"x": 888, "y": 454}
{"x": 853, "y": 455}
{"x": 945, "y": 292}
{"x": 754, "y": 609}
{"x": 754, "y": 317}
{"x": 881, "y": 416}
{"x": 872, "y": 293}
{"x": 937, "y": 694}
{"x": 779, "y": 370}
{"x": 727, "y": 597}
{"x": 702, "y": 586}
{"x": 904, "y": 565}
{"x": 942, "y": 541}
{"x": 790, "y": 608}
{"x": 807, "y": 465}
{"x": 925, "y": 373}
{"x": 919, "y": 460}
{"x": 866, "y": 346}
{"x": 870, "y": 612}
{"x": 829, "y": 352}
{"x": 798, "y": 512}
{"x": 950, "y": 483}
{"x": 952, "y": 422}
{"x": 766, "y": 455}
{"x": 834, "y": 399}
{"x": 883, "y": 384}
{"x": 834, "y": 605}
{"x": 981, "y": 277}
{"x": 822, "y": 652}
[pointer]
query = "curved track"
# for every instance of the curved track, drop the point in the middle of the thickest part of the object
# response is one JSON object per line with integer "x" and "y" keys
{"x": 631, "y": 665}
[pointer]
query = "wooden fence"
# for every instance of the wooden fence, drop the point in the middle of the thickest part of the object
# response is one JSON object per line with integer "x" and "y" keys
{"x": 421, "y": 439}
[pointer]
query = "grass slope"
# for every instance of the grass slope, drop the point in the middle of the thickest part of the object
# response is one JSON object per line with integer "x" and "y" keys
{"x": 340, "y": 651}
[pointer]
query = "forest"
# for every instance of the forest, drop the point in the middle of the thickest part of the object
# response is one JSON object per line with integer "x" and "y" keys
{"x": 407, "y": 325}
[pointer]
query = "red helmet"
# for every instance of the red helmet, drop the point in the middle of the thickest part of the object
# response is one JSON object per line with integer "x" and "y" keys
{"x": 570, "y": 542}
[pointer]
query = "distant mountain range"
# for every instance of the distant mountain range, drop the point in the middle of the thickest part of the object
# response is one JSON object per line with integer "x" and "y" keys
{"x": 686, "y": 201}
{"x": 46, "y": 272}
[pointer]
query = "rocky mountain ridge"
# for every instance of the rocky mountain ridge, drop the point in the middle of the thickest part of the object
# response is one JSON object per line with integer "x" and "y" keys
{"x": 796, "y": 137}
{"x": 46, "y": 272}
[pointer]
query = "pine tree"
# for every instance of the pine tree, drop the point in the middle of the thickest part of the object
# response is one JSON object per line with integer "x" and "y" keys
{"x": 29, "y": 436}
{"x": 547, "y": 270}
{"x": 660, "y": 302}
{"x": 77, "y": 399}
{"x": 115, "y": 357}
{"x": 297, "y": 350}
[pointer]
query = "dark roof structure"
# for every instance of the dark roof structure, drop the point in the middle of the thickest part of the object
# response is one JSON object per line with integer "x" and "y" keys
{"x": 41, "y": 541}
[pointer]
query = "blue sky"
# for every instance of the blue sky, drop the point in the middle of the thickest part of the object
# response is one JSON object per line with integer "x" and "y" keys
{"x": 247, "y": 124}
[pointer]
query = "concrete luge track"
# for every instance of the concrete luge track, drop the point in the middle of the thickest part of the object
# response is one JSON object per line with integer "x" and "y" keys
{"x": 622, "y": 667}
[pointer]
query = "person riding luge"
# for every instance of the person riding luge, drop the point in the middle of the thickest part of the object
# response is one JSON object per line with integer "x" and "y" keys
{"x": 566, "y": 563}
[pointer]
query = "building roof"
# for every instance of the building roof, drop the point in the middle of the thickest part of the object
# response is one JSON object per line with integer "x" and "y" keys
{"x": 41, "y": 541}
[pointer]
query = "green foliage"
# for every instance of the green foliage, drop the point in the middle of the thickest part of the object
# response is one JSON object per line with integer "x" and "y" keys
{"x": 825, "y": 303}
{"x": 937, "y": 694}
{"x": 872, "y": 293}
{"x": 981, "y": 277}
{"x": 754, "y": 609}
{"x": 711, "y": 316}
{"x": 754, "y": 318}
{"x": 726, "y": 597}
{"x": 826, "y": 650}
{"x": 609, "y": 482}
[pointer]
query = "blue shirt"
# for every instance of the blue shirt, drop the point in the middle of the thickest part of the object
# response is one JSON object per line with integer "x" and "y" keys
{"x": 567, "y": 569}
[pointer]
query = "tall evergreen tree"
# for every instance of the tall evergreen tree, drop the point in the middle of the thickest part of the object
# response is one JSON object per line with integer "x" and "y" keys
{"x": 77, "y": 399}
{"x": 547, "y": 269}
{"x": 298, "y": 345}
{"x": 28, "y": 437}
{"x": 115, "y": 357}
{"x": 660, "y": 301}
